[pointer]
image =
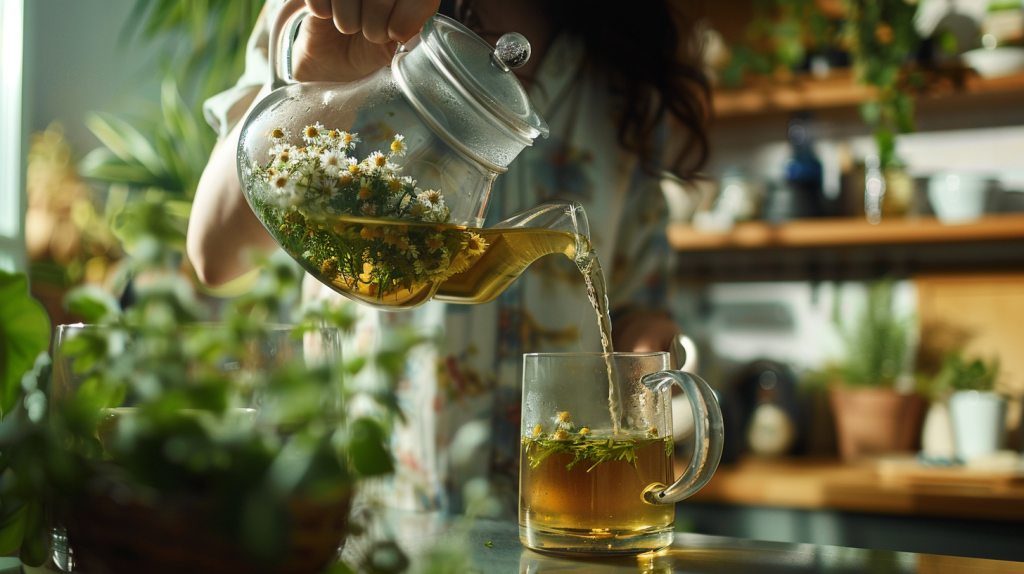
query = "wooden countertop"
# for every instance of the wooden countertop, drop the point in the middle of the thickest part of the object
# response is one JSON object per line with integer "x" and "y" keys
{"x": 867, "y": 487}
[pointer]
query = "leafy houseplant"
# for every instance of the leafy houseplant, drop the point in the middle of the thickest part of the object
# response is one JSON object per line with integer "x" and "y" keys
{"x": 178, "y": 446}
{"x": 879, "y": 35}
{"x": 871, "y": 417}
{"x": 978, "y": 413}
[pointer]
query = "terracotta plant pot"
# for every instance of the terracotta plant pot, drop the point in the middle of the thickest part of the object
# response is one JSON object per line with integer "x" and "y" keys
{"x": 176, "y": 536}
{"x": 871, "y": 421}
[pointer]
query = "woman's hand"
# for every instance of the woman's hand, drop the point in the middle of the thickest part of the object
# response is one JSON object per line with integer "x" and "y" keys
{"x": 345, "y": 40}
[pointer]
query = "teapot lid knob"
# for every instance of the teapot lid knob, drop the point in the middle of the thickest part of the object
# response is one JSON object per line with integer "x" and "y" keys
{"x": 511, "y": 51}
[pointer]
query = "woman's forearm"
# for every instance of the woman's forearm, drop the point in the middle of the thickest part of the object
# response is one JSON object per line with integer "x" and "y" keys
{"x": 222, "y": 228}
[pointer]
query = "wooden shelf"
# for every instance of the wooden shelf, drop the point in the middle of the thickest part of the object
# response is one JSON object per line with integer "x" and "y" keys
{"x": 845, "y": 232}
{"x": 831, "y": 485}
{"x": 840, "y": 90}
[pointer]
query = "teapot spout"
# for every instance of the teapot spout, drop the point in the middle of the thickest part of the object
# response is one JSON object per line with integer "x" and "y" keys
{"x": 514, "y": 244}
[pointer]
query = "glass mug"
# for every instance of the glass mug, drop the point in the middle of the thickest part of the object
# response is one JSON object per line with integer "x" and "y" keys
{"x": 595, "y": 471}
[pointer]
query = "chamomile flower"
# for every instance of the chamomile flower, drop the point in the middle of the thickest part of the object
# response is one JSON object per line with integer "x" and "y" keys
{"x": 537, "y": 431}
{"x": 398, "y": 146}
{"x": 432, "y": 199}
{"x": 652, "y": 432}
{"x": 418, "y": 209}
{"x": 311, "y": 134}
{"x": 331, "y": 162}
{"x": 563, "y": 421}
{"x": 279, "y": 135}
{"x": 375, "y": 161}
{"x": 561, "y": 434}
{"x": 584, "y": 432}
{"x": 476, "y": 247}
{"x": 368, "y": 210}
{"x": 283, "y": 154}
{"x": 284, "y": 183}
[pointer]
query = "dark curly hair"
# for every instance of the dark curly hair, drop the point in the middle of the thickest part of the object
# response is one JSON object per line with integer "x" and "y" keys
{"x": 650, "y": 52}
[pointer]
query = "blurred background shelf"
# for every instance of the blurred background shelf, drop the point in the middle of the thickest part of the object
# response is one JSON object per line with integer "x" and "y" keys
{"x": 839, "y": 90}
{"x": 845, "y": 232}
{"x": 848, "y": 249}
{"x": 816, "y": 484}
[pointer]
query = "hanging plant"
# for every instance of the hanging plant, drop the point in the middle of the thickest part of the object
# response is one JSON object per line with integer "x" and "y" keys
{"x": 882, "y": 38}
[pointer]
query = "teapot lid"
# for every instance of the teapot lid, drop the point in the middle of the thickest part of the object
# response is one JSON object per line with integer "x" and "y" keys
{"x": 485, "y": 72}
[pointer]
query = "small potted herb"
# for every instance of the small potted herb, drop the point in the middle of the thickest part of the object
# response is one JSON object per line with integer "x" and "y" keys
{"x": 871, "y": 416}
{"x": 173, "y": 445}
{"x": 978, "y": 413}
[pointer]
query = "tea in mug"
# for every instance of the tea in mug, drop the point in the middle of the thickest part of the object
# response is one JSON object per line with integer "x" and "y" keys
{"x": 590, "y": 490}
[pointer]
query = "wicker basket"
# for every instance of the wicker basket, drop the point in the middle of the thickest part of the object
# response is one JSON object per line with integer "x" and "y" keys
{"x": 175, "y": 536}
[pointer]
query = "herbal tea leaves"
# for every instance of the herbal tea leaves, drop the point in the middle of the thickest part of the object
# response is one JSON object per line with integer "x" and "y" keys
{"x": 594, "y": 451}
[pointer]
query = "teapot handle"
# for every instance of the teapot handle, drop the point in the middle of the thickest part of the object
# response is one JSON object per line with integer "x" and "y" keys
{"x": 280, "y": 53}
{"x": 708, "y": 435}
{"x": 282, "y": 35}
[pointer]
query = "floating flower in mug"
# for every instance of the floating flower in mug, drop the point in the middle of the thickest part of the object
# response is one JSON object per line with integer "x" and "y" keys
{"x": 563, "y": 420}
{"x": 561, "y": 434}
{"x": 368, "y": 210}
{"x": 584, "y": 432}
{"x": 536, "y": 431}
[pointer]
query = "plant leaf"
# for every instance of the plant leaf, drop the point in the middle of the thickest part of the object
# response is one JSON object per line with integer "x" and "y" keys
{"x": 367, "y": 447}
{"x": 125, "y": 141}
{"x": 24, "y": 333}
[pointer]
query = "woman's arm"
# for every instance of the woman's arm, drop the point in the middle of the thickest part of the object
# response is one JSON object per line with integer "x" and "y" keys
{"x": 222, "y": 228}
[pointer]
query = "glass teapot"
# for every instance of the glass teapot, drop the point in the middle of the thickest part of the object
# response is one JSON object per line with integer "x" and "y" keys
{"x": 379, "y": 187}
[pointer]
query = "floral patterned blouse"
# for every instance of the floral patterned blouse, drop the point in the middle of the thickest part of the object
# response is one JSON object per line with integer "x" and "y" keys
{"x": 462, "y": 400}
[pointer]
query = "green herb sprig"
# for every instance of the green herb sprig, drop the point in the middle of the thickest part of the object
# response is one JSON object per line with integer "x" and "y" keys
{"x": 596, "y": 451}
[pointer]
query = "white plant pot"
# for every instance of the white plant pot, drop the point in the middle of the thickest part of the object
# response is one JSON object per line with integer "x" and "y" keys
{"x": 937, "y": 434}
{"x": 979, "y": 423}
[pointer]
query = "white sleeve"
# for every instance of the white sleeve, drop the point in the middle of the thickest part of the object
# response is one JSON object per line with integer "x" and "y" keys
{"x": 226, "y": 109}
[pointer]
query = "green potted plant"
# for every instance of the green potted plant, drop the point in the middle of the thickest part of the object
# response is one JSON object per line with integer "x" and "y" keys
{"x": 171, "y": 445}
{"x": 977, "y": 412}
{"x": 871, "y": 416}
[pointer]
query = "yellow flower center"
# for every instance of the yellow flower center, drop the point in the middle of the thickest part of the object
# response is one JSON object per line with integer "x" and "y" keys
{"x": 344, "y": 179}
{"x": 312, "y": 132}
{"x": 364, "y": 193}
{"x": 380, "y": 160}
{"x": 353, "y": 169}
{"x": 397, "y": 146}
{"x": 277, "y": 134}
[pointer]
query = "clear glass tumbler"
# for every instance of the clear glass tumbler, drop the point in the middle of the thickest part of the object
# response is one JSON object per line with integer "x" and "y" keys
{"x": 596, "y": 465}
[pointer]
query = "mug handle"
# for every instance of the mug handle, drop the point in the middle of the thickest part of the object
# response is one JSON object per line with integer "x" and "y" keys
{"x": 708, "y": 437}
{"x": 282, "y": 34}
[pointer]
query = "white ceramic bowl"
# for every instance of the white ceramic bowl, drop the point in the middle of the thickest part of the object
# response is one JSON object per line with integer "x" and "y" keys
{"x": 957, "y": 197}
{"x": 996, "y": 63}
